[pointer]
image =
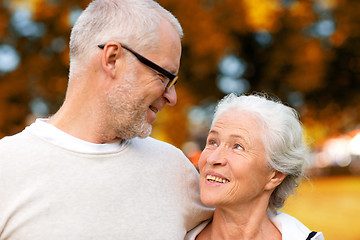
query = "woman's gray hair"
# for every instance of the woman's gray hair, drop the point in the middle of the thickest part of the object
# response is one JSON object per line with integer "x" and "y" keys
{"x": 131, "y": 22}
{"x": 282, "y": 138}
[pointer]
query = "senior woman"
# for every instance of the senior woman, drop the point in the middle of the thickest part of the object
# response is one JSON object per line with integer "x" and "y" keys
{"x": 253, "y": 160}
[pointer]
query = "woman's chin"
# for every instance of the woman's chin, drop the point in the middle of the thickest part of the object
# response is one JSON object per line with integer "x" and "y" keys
{"x": 208, "y": 200}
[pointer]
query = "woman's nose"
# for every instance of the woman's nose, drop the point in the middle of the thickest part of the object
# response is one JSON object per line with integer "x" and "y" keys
{"x": 170, "y": 96}
{"x": 218, "y": 157}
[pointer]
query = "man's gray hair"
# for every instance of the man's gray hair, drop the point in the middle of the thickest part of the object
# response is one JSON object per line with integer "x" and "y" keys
{"x": 282, "y": 137}
{"x": 131, "y": 22}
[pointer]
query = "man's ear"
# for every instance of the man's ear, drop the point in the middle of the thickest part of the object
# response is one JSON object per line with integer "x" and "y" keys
{"x": 275, "y": 180}
{"x": 111, "y": 54}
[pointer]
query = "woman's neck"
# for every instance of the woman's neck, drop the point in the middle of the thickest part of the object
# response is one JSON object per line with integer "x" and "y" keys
{"x": 250, "y": 223}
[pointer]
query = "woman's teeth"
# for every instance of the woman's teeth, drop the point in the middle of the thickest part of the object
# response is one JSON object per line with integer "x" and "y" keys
{"x": 212, "y": 178}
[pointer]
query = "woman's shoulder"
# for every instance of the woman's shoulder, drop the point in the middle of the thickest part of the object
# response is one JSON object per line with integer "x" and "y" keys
{"x": 291, "y": 228}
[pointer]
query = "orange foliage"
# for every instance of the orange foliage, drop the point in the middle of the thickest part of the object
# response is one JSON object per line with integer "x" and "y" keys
{"x": 310, "y": 62}
{"x": 201, "y": 30}
{"x": 262, "y": 14}
{"x": 171, "y": 123}
{"x": 302, "y": 10}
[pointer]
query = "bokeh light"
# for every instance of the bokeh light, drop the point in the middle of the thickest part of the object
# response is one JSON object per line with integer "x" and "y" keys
{"x": 9, "y": 58}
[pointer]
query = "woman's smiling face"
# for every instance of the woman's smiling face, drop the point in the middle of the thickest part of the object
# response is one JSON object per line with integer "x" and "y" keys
{"x": 233, "y": 166}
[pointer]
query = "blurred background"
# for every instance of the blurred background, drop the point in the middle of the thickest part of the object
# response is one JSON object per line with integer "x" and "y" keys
{"x": 305, "y": 52}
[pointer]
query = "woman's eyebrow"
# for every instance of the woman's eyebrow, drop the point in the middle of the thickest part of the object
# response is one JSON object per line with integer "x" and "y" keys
{"x": 233, "y": 136}
{"x": 237, "y": 136}
{"x": 213, "y": 132}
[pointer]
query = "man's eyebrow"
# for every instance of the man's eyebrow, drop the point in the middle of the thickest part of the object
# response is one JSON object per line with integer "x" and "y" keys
{"x": 171, "y": 69}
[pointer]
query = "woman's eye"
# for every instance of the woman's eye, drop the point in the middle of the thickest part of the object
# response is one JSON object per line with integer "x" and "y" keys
{"x": 212, "y": 142}
{"x": 238, "y": 146}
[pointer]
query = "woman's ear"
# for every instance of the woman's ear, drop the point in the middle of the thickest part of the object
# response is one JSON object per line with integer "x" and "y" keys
{"x": 111, "y": 54}
{"x": 275, "y": 180}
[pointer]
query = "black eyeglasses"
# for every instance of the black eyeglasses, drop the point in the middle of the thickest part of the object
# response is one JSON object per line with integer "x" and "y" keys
{"x": 172, "y": 77}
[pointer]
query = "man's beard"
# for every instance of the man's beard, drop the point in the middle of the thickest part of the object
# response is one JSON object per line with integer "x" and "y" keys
{"x": 126, "y": 114}
{"x": 134, "y": 123}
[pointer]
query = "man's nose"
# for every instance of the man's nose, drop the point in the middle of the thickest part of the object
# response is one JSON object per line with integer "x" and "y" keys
{"x": 170, "y": 96}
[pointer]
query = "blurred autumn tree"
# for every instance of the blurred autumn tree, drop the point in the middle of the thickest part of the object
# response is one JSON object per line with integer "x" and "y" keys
{"x": 305, "y": 52}
{"x": 39, "y": 31}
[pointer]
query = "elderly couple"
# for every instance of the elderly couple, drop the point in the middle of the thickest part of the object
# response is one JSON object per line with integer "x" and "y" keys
{"x": 91, "y": 171}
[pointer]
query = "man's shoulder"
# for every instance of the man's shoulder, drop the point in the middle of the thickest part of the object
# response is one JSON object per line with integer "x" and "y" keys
{"x": 13, "y": 140}
{"x": 15, "y": 148}
{"x": 152, "y": 147}
{"x": 152, "y": 142}
{"x": 20, "y": 144}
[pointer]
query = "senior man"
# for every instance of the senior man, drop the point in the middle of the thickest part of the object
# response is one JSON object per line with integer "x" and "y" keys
{"x": 90, "y": 171}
